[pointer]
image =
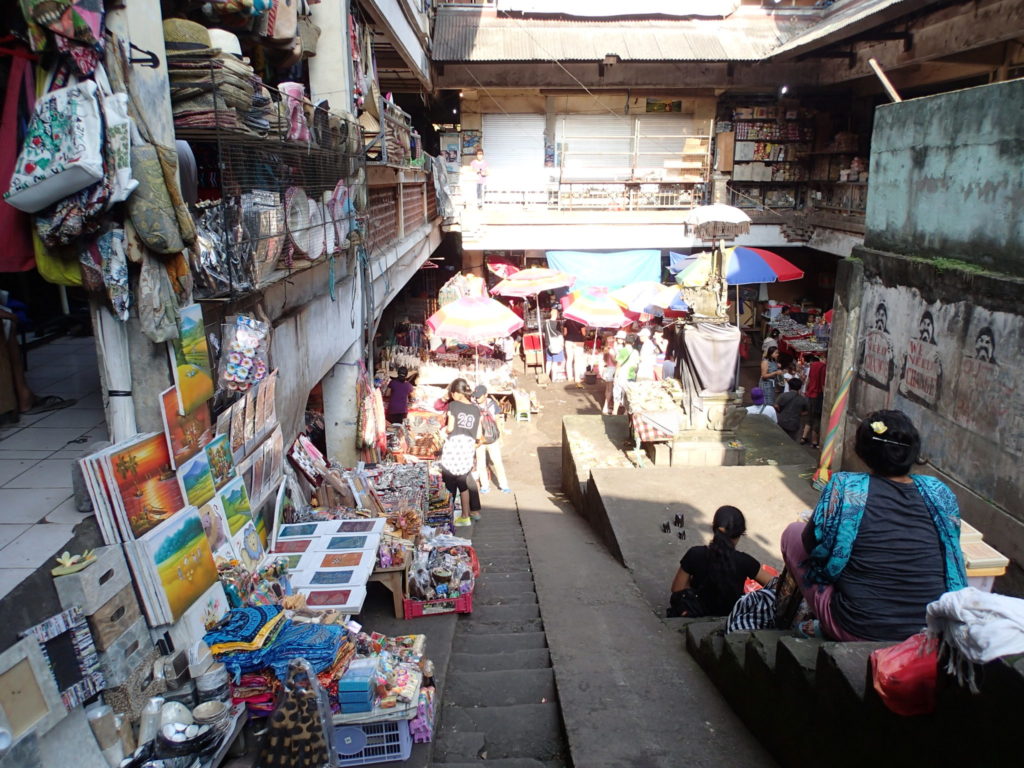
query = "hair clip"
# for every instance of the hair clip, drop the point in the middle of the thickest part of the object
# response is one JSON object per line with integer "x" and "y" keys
{"x": 879, "y": 427}
{"x": 890, "y": 442}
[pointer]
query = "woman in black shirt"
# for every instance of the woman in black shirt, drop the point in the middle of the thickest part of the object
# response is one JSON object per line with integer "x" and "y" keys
{"x": 459, "y": 451}
{"x": 710, "y": 579}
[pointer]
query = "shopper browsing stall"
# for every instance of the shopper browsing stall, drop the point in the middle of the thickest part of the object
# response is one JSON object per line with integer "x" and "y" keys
{"x": 772, "y": 374}
{"x": 399, "y": 391}
{"x": 792, "y": 407}
{"x": 459, "y": 451}
{"x": 554, "y": 344}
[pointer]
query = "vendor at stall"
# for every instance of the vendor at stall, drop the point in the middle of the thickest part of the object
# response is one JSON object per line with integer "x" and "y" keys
{"x": 398, "y": 391}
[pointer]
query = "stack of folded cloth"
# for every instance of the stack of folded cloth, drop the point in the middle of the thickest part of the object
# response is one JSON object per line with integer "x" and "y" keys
{"x": 212, "y": 86}
{"x": 258, "y": 691}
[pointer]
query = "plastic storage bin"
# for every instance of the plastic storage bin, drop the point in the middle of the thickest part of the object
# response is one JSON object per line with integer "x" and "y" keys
{"x": 416, "y": 608}
{"x": 368, "y": 743}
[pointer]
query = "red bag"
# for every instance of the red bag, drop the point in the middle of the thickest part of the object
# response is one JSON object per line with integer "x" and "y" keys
{"x": 905, "y": 675}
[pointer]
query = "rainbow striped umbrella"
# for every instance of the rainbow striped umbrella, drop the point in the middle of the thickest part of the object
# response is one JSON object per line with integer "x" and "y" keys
{"x": 473, "y": 319}
{"x": 742, "y": 266}
{"x": 594, "y": 307}
{"x": 531, "y": 281}
{"x": 644, "y": 296}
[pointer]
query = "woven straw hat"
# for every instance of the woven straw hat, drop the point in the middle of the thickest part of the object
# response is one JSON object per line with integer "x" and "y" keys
{"x": 185, "y": 35}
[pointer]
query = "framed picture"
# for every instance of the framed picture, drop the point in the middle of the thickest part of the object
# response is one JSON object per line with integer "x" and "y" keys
{"x": 30, "y": 702}
{"x": 68, "y": 646}
{"x": 470, "y": 142}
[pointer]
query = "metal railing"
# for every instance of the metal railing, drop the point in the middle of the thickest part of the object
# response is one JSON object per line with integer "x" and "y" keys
{"x": 591, "y": 196}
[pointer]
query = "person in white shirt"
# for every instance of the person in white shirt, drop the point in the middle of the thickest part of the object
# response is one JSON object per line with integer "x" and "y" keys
{"x": 759, "y": 408}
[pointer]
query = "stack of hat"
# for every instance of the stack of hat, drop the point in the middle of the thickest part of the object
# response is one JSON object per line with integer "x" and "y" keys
{"x": 211, "y": 85}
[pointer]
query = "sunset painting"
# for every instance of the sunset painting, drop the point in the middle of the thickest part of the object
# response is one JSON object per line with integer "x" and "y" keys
{"x": 186, "y": 435}
{"x": 146, "y": 486}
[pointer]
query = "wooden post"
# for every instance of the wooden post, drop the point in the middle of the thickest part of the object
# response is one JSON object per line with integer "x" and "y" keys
{"x": 885, "y": 81}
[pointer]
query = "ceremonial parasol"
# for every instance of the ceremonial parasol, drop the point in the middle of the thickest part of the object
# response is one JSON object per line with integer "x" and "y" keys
{"x": 717, "y": 221}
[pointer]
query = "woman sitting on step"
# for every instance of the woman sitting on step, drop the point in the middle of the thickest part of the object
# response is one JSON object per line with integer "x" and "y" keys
{"x": 710, "y": 579}
{"x": 880, "y": 545}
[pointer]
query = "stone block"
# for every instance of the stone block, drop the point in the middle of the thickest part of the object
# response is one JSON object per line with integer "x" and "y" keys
{"x": 704, "y": 641}
{"x": 660, "y": 454}
{"x": 795, "y": 662}
{"x": 126, "y": 654}
{"x": 95, "y": 586}
{"x": 114, "y": 618}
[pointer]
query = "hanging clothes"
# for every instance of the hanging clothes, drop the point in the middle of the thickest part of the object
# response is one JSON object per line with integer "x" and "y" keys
{"x": 18, "y": 253}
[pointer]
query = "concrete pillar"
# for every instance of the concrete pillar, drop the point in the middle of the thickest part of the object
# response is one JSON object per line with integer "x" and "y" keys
{"x": 330, "y": 71}
{"x": 341, "y": 407}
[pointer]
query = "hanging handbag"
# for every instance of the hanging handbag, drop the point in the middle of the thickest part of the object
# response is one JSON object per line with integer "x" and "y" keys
{"x": 489, "y": 432}
{"x": 116, "y": 139}
{"x": 63, "y": 149}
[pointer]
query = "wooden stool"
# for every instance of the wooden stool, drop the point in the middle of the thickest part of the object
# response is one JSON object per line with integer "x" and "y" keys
{"x": 395, "y": 580}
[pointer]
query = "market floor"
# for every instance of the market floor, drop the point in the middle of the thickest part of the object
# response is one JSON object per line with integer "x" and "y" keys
{"x": 629, "y": 692}
{"x": 36, "y": 455}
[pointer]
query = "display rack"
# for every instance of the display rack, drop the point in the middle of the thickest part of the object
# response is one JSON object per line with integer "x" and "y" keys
{"x": 769, "y": 164}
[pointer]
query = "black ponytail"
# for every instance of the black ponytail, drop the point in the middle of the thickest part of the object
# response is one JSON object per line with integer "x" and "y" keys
{"x": 727, "y": 524}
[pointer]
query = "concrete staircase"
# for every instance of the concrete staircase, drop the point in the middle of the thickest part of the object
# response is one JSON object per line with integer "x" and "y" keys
{"x": 500, "y": 705}
{"x": 812, "y": 702}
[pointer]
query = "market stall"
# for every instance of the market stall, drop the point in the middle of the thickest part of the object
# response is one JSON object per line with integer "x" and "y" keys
{"x": 655, "y": 411}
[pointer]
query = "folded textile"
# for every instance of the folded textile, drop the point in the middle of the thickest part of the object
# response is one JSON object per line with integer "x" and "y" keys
{"x": 979, "y": 625}
{"x": 244, "y": 629}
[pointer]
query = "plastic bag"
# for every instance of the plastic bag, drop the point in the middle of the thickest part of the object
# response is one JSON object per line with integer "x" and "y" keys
{"x": 244, "y": 360}
{"x": 905, "y": 675}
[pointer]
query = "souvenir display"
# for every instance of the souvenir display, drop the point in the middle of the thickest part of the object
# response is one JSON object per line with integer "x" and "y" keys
{"x": 244, "y": 357}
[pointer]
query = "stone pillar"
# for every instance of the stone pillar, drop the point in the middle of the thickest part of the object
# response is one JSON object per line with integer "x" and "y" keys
{"x": 341, "y": 408}
{"x": 330, "y": 71}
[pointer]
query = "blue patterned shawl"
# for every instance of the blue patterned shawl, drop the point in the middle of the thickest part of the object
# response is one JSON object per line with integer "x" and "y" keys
{"x": 837, "y": 520}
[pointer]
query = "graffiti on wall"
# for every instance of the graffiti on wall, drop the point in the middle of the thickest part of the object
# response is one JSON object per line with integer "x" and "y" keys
{"x": 958, "y": 361}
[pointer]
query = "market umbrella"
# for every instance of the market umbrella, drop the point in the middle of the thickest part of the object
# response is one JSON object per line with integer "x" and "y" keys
{"x": 594, "y": 307}
{"x": 531, "y": 282}
{"x": 473, "y": 319}
{"x": 638, "y": 297}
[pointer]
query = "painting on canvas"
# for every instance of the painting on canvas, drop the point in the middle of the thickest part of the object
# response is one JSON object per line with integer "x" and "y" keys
{"x": 140, "y": 470}
{"x": 186, "y": 435}
{"x": 180, "y": 552}
{"x": 190, "y": 360}
{"x": 247, "y": 544}
{"x": 216, "y": 526}
{"x": 218, "y": 451}
{"x": 196, "y": 480}
{"x": 235, "y": 500}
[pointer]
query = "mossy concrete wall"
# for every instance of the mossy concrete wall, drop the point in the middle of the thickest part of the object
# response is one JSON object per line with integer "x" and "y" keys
{"x": 947, "y": 177}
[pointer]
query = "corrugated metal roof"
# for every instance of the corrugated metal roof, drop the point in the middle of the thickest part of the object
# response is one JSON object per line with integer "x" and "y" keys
{"x": 470, "y": 37}
{"x": 847, "y": 19}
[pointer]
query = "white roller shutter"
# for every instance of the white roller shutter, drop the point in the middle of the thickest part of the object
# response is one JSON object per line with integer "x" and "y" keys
{"x": 659, "y": 138}
{"x": 595, "y": 141}
{"x": 514, "y": 148}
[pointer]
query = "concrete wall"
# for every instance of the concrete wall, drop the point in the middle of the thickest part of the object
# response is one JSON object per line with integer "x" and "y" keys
{"x": 947, "y": 177}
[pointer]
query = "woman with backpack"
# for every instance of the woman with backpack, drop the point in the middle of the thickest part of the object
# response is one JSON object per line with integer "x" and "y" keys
{"x": 490, "y": 442}
{"x": 462, "y": 433}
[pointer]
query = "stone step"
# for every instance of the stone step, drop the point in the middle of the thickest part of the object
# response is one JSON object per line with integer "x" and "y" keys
{"x": 845, "y": 669}
{"x": 704, "y": 641}
{"x": 520, "y": 730}
{"x": 795, "y": 661}
{"x": 494, "y": 578}
{"x": 505, "y": 541}
{"x": 499, "y": 586}
{"x": 498, "y": 643}
{"x": 517, "y": 565}
{"x": 512, "y": 626}
{"x": 481, "y": 598}
{"x": 512, "y": 762}
{"x": 482, "y": 552}
{"x": 499, "y": 688}
{"x": 491, "y": 613}
{"x": 525, "y": 658}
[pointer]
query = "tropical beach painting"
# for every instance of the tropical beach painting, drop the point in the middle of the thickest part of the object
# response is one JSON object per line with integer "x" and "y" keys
{"x": 218, "y": 451}
{"x": 190, "y": 360}
{"x": 186, "y": 435}
{"x": 235, "y": 500}
{"x": 196, "y": 480}
{"x": 140, "y": 472}
{"x": 180, "y": 552}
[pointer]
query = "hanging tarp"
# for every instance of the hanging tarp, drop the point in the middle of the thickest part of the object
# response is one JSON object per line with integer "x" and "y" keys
{"x": 607, "y": 270}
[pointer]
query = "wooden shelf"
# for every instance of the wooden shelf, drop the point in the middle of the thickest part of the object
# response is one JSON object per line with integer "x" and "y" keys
{"x": 831, "y": 152}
